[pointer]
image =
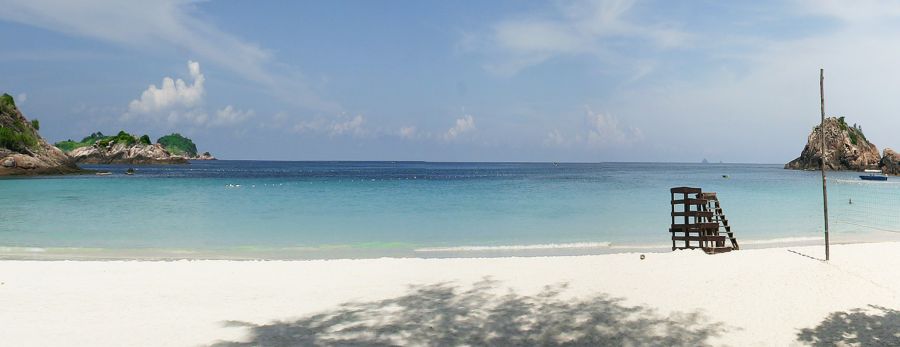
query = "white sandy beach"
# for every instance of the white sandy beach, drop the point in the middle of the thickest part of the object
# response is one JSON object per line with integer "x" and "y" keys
{"x": 760, "y": 297}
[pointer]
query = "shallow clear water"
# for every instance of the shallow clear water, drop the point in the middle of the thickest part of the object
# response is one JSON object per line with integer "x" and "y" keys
{"x": 302, "y": 209}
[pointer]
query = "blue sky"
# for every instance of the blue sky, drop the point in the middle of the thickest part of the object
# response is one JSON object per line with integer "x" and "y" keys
{"x": 457, "y": 81}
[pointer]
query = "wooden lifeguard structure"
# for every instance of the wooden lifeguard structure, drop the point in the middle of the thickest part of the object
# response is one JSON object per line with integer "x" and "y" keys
{"x": 696, "y": 221}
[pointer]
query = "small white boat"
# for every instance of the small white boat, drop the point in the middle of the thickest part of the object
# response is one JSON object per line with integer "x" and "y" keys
{"x": 874, "y": 175}
{"x": 104, "y": 173}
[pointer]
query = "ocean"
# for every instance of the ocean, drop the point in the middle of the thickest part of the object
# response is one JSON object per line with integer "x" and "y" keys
{"x": 312, "y": 210}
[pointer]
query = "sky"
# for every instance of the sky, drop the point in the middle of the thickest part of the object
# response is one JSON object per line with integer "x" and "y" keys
{"x": 563, "y": 81}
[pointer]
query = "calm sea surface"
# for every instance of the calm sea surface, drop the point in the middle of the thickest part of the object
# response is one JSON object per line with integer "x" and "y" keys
{"x": 256, "y": 209}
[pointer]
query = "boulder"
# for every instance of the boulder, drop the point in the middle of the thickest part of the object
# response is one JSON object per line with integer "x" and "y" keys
{"x": 846, "y": 148}
{"x": 890, "y": 162}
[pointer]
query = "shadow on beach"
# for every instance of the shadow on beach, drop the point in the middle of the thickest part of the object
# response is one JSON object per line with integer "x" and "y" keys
{"x": 445, "y": 315}
{"x": 875, "y": 326}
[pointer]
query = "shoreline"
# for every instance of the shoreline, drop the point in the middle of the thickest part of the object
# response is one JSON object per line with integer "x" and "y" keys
{"x": 390, "y": 250}
{"x": 765, "y": 296}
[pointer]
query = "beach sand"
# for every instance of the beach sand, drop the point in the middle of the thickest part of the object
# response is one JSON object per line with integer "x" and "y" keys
{"x": 761, "y": 297}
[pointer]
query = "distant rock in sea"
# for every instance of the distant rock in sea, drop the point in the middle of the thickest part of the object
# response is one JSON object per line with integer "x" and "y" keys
{"x": 22, "y": 149}
{"x": 204, "y": 156}
{"x": 846, "y": 148}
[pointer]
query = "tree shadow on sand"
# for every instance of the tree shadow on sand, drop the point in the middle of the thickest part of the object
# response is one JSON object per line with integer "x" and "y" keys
{"x": 876, "y": 326}
{"x": 445, "y": 315}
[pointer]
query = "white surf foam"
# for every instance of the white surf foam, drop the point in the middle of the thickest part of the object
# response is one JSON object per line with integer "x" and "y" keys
{"x": 576, "y": 245}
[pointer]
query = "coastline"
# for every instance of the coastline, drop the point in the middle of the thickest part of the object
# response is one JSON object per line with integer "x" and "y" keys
{"x": 400, "y": 250}
{"x": 750, "y": 297}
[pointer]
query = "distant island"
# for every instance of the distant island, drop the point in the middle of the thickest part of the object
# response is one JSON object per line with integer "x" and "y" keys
{"x": 846, "y": 148}
{"x": 125, "y": 148}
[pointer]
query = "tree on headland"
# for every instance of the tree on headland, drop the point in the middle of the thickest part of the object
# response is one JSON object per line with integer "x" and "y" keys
{"x": 178, "y": 145}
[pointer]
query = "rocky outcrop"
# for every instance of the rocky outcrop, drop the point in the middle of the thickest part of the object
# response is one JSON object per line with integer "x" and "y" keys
{"x": 846, "y": 148}
{"x": 204, "y": 156}
{"x": 890, "y": 162}
{"x": 22, "y": 149}
{"x": 122, "y": 153}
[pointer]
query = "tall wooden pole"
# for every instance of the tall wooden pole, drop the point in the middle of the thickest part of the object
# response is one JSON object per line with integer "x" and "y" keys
{"x": 822, "y": 166}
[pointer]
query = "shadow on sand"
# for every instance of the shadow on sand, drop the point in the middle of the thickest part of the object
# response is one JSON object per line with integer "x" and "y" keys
{"x": 876, "y": 326}
{"x": 445, "y": 315}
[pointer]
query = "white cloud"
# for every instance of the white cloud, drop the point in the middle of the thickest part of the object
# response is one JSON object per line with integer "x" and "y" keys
{"x": 166, "y": 25}
{"x": 353, "y": 126}
{"x": 408, "y": 132}
{"x": 170, "y": 94}
{"x": 583, "y": 27}
{"x": 463, "y": 125}
{"x": 230, "y": 115}
{"x": 600, "y": 131}
{"x": 21, "y": 98}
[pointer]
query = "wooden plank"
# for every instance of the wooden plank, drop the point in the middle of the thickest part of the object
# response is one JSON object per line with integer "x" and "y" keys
{"x": 708, "y": 214}
{"x": 700, "y": 238}
{"x": 685, "y": 190}
{"x": 689, "y": 202}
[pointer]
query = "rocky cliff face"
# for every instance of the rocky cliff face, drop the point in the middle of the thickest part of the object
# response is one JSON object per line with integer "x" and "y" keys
{"x": 22, "y": 149}
{"x": 121, "y": 153}
{"x": 846, "y": 148}
{"x": 890, "y": 162}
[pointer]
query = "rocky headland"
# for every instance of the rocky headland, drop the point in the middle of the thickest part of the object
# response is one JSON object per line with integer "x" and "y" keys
{"x": 22, "y": 149}
{"x": 846, "y": 148}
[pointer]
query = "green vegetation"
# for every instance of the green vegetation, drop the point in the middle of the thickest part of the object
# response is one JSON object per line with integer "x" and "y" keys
{"x": 7, "y": 103}
{"x": 855, "y": 132}
{"x": 145, "y": 140}
{"x": 36, "y": 124}
{"x": 17, "y": 136}
{"x": 101, "y": 140}
{"x": 178, "y": 145}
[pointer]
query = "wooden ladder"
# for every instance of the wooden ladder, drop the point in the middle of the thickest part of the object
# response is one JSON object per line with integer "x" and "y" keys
{"x": 718, "y": 216}
{"x": 692, "y": 222}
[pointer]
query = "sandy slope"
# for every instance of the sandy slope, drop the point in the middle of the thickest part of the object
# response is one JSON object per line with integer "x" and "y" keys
{"x": 752, "y": 297}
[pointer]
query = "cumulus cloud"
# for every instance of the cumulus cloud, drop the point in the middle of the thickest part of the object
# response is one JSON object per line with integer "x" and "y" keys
{"x": 588, "y": 27}
{"x": 171, "y": 93}
{"x": 463, "y": 125}
{"x": 176, "y": 101}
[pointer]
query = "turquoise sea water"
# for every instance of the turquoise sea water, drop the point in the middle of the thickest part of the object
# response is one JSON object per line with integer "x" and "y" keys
{"x": 361, "y": 209}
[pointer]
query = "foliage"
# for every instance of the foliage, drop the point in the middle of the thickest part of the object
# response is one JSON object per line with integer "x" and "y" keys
{"x": 36, "y": 124}
{"x": 17, "y": 138}
{"x": 145, "y": 140}
{"x": 100, "y": 140}
{"x": 7, "y": 103}
{"x": 178, "y": 145}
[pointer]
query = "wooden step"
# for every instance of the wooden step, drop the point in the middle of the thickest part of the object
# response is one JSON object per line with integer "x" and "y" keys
{"x": 700, "y": 238}
{"x": 695, "y": 226}
{"x": 688, "y": 202}
{"x": 706, "y": 214}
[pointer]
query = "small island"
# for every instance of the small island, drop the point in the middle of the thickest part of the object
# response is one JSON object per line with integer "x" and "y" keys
{"x": 125, "y": 148}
